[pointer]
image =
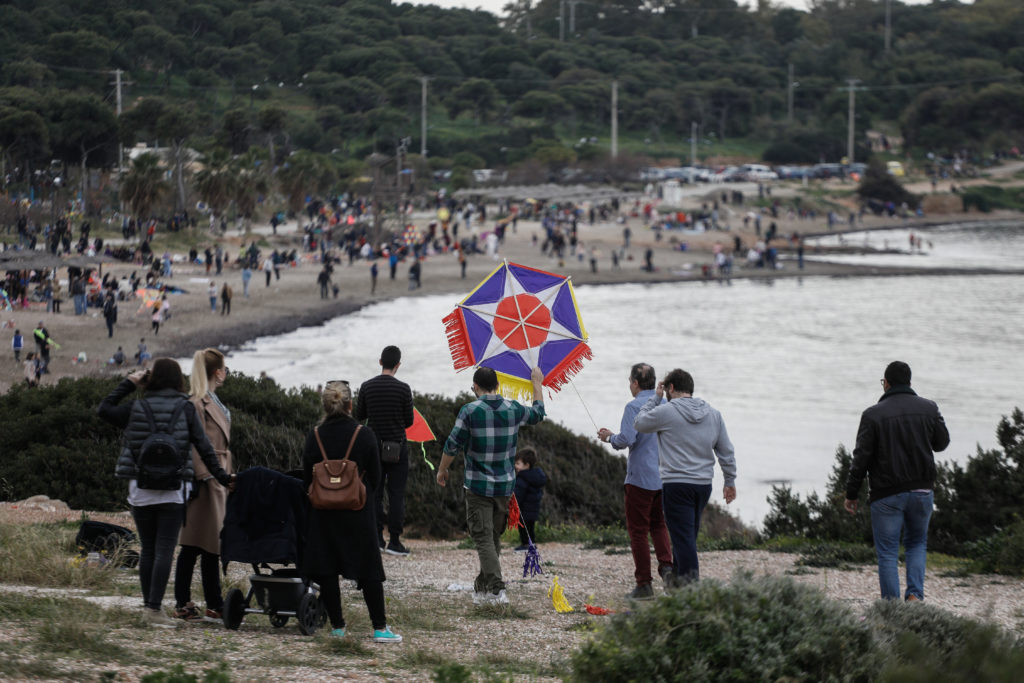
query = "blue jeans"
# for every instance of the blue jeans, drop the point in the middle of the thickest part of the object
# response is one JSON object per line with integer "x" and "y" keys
{"x": 158, "y": 527}
{"x": 683, "y": 505}
{"x": 908, "y": 512}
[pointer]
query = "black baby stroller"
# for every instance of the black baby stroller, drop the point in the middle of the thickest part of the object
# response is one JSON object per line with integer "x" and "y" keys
{"x": 265, "y": 524}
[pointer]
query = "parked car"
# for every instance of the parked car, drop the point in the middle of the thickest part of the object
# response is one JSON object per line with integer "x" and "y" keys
{"x": 895, "y": 169}
{"x": 758, "y": 173}
{"x": 793, "y": 172}
{"x": 729, "y": 174}
{"x": 825, "y": 171}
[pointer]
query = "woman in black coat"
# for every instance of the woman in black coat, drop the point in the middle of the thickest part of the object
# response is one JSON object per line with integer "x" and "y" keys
{"x": 344, "y": 542}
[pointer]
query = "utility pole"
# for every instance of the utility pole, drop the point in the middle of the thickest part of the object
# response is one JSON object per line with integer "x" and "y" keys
{"x": 120, "y": 145}
{"x": 615, "y": 119}
{"x": 561, "y": 21}
{"x": 572, "y": 17}
{"x": 888, "y": 25}
{"x": 789, "y": 97}
{"x": 851, "y": 82}
{"x": 693, "y": 143}
{"x": 423, "y": 115}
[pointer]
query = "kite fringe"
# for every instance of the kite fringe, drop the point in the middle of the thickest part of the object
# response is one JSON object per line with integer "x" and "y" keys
{"x": 570, "y": 366}
{"x": 458, "y": 339}
{"x": 515, "y": 388}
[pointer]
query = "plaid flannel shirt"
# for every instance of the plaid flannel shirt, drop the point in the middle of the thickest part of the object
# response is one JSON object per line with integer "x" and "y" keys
{"x": 487, "y": 431}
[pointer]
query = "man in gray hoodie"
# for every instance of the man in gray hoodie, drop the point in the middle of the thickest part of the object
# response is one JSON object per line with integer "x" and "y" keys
{"x": 690, "y": 435}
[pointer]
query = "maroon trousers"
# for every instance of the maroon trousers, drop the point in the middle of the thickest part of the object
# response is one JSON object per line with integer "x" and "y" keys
{"x": 645, "y": 517}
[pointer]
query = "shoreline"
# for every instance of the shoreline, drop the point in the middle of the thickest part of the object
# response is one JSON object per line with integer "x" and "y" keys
{"x": 293, "y": 300}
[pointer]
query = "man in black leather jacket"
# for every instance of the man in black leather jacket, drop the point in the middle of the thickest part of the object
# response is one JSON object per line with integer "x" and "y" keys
{"x": 895, "y": 444}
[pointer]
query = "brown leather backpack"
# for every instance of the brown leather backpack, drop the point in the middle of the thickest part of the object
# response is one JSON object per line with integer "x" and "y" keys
{"x": 336, "y": 484}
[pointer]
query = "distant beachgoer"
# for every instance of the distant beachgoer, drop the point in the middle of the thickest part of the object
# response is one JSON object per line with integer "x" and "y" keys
{"x": 373, "y": 277}
{"x": 246, "y": 276}
{"x": 225, "y": 299}
{"x": 17, "y": 344}
{"x": 211, "y": 292}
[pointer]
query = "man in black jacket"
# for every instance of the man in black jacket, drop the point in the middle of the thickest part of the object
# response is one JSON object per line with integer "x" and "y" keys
{"x": 895, "y": 444}
{"x": 385, "y": 403}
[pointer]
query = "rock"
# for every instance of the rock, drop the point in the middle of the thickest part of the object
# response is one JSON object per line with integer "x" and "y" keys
{"x": 44, "y": 503}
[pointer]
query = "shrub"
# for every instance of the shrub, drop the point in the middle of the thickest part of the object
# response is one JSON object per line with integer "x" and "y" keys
{"x": 929, "y": 645}
{"x": 55, "y": 444}
{"x": 820, "y": 518}
{"x": 987, "y": 198}
{"x": 979, "y": 498}
{"x": 1001, "y": 553}
{"x": 877, "y": 184}
{"x": 763, "y": 629}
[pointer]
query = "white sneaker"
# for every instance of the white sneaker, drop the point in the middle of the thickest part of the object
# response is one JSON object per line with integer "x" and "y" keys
{"x": 500, "y": 598}
{"x": 481, "y": 598}
{"x": 158, "y": 619}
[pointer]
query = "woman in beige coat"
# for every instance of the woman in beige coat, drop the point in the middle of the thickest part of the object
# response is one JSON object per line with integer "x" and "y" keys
{"x": 204, "y": 517}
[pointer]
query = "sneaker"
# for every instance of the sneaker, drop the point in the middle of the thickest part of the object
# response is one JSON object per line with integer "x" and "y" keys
{"x": 913, "y": 598}
{"x": 668, "y": 575}
{"x": 481, "y": 598}
{"x": 522, "y": 548}
{"x": 644, "y": 592}
{"x": 158, "y": 619}
{"x": 338, "y": 633}
{"x": 395, "y": 547}
{"x": 499, "y": 598}
{"x": 214, "y": 614}
{"x": 188, "y": 612}
{"x": 386, "y": 636}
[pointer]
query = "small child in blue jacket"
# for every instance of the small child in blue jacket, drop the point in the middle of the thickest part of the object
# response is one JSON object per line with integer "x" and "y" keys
{"x": 18, "y": 343}
{"x": 530, "y": 481}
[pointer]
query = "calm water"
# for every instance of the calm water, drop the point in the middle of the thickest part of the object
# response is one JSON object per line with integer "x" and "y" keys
{"x": 790, "y": 363}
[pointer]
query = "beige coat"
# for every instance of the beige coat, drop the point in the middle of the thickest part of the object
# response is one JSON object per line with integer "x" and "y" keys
{"x": 205, "y": 515}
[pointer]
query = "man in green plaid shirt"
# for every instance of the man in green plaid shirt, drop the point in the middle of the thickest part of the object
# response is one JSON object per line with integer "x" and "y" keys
{"x": 487, "y": 430}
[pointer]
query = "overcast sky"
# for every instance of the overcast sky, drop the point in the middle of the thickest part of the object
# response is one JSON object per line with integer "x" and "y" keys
{"x": 495, "y": 6}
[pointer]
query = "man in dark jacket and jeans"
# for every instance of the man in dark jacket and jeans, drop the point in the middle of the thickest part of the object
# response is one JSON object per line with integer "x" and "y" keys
{"x": 895, "y": 444}
{"x": 385, "y": 403}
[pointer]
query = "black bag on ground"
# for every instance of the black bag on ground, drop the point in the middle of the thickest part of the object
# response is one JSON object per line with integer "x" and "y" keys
{"x": 109, "y": 539}
{"x": 161, "y": 463}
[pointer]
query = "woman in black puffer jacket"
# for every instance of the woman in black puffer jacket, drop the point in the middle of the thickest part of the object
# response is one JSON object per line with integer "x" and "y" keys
{"x": 158, "y": 513}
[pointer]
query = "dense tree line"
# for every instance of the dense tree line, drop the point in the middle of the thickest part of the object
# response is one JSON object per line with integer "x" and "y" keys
{"x": 344, "y": 77}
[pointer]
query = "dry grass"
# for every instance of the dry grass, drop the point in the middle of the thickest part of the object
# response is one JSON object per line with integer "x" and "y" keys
{"x": 45, "y": 635}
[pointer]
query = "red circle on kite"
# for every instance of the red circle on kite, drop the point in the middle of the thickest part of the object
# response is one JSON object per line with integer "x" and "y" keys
{"x": 522, "y": 321}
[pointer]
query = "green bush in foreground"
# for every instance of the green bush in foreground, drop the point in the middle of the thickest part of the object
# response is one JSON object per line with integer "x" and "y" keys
{"x": 774, "y": 629}
{"x": 756, "y": 629}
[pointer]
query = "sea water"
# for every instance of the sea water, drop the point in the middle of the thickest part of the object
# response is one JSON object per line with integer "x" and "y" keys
{"x": 790, "y": 363}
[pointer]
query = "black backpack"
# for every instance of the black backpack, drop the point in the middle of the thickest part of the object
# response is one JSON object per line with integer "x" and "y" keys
{"x": 160, "y": 464}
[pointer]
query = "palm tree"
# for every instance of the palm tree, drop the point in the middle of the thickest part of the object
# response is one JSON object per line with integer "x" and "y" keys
{"x": 216, "y": 181}
{"x": 305, "y": 173}
{"x": 250, "y": 182}
{"x": 143, "y": 185}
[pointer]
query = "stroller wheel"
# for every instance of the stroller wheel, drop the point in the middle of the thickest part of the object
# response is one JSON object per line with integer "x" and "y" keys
{"x": 311, "y": 614}
{"x": 234, "y": 609}
{"x": 278, "y": 620}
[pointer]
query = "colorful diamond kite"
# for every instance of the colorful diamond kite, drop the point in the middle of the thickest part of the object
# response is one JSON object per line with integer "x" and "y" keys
{"x": 517, "y": 318}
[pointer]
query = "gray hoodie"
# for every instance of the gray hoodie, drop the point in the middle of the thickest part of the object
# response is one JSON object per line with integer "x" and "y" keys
{"x": 690, "y": 434}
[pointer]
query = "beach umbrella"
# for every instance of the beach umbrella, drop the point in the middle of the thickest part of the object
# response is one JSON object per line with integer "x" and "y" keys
{"x": 517, "y": 318}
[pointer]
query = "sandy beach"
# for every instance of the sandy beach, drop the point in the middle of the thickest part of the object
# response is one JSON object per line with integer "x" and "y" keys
{"x": 294, "y": 300}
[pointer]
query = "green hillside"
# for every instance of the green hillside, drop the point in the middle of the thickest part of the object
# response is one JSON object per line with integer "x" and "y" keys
{"x": 345, "y": 79}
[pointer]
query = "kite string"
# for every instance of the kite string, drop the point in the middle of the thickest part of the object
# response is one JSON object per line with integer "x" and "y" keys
{"x": 584, "y": 404}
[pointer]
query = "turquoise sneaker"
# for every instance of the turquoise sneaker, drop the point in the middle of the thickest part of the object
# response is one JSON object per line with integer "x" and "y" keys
{"x": 338, "y": 633}
{"x": 386, "y": 636}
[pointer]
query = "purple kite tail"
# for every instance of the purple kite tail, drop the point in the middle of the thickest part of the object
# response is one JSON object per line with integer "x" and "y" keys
{"x": 531, "y": 566}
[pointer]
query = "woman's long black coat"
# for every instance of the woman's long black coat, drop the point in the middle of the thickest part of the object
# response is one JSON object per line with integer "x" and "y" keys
{"x": 344, "y": 541}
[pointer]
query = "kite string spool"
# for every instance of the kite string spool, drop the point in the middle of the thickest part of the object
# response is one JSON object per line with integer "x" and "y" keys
{"x": 584, "y": 404}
